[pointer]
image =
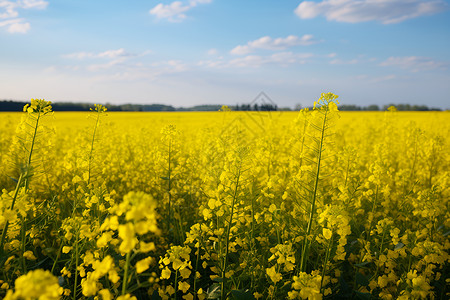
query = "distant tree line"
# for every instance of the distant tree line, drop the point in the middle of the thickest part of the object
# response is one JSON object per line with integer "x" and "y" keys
{"x": 8, "y": 105}
{"x": 255, "y": 107}
{"x": 399, "y": 107}
{"x": 72, "y": 106}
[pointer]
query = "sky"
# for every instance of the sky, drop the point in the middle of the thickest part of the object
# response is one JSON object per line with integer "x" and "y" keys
{"x": 193, "y": 52}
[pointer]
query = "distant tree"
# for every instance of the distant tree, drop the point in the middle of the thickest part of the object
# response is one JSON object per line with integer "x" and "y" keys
{"x": 298, "y": 107}
{"x": 349, "y": 107}
{"x": 373, "y": 107}
{"x": 9, "y": 105}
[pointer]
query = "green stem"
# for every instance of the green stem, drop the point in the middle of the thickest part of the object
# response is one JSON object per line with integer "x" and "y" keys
{"x": 28, "y": 165}
{"x": 21, "y": 178}
{"x": 227, "y": 244}
{"x": 57, "y": 257}
{"x": 373, "y": 213}
{"x": 92, "y": 146}
{"x": 252, "y": 241}
{"x": 327, "y": 257}
{"x": 5, "y": 227}
{"x": 170, "y": 186}
{"x": 125, "y": 276}
{"x": 304, "y": 257}
{"x": 176, "y": 285}
{"x": 195, "y": 271}
{"x": 23, "y": 243}
{"x": 381, "y": 251}
{"x": 76, "y": 265}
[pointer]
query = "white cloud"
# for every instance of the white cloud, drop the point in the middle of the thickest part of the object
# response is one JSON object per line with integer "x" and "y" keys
{"x": 138, "y": 71}
{"x": 119, "y": 64}
{"x": 175, "y": 11}
{"x": 119, "y": 53}
{"x": 266, "y": 42}
{"x": 114, "y": 53}
{"x": 255, "y": 61}
{"x": 385, "y": 78}
{"x": 8, "y": 10}
{"x": 195, "y": 2}
{"x": 338, "y": 61}
{"x": 19, "y": 27}
{"x": 414, "y": 63}
{"x": 212, "y": 51}
{"x": 9, "y": 13}
{"x": 38, "y": 4}
{"x": 115, "y": 58}
{"x": 384, "y": 11}
{"x": 15, "y": 25}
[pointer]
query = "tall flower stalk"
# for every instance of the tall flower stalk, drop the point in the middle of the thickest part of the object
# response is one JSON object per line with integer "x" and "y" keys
{"x": 319, "y": 125}
{"x": 29, "y": 133}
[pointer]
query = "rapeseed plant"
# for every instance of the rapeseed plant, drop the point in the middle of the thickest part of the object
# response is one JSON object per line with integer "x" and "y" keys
{"x": 218, "y": 206}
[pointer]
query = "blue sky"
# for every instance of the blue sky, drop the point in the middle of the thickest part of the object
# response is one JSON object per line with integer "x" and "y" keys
{"x": 191, "y": 52}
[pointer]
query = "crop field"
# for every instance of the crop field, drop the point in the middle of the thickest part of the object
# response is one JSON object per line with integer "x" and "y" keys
{"x": 316, "y": 204}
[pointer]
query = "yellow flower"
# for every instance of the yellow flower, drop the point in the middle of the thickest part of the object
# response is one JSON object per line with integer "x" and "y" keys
{"x": 165, "y": 274}
{"x": 170, "y": 290}
{"x": 273, "y": 274}
{"x": 29, "y": 255}
{"x": 103, "y": 267}
{"x": 327, "y": 233}
{"x": 37, "y": 284}
{"x": 146, "y": 247}
{"x": 66, "y": 249}
{"x": 183, "y": 286}
{"x": 307, "y": 286}
{"x": 113, "y": 276}
{"x": 104, "y": 239}
{"x": 185, "y": 272}
{"x": 188, "y": 297}
{"x": 89, "y": 286}
{"x": 106, "y": 294}
{"x": 126, "y": 297}
{"x": 272, "y": 208}
{"x": 206, "y": 214}
{"x": 126, "y": 233}
{"x": 143, "y": 264}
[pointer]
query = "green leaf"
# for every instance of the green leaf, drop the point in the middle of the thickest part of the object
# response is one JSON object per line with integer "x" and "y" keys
{"x": 155, "y": 296}
{"x": 364, "y": 296}
{"x": 242, "y": 295}
{"x": 363, "y": 264}
{"x": 361, "y": 279}
{"x": 218, "y": 279}
{"x": 399, "y": 246}
{"x": 214, "y": 291}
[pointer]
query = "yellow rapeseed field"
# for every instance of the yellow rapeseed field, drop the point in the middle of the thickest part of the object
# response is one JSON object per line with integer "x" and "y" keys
{"x": 316, "y": 204}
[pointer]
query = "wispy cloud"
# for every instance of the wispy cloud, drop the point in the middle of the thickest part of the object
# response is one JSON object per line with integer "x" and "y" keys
{"x": 105, "y": 54}
{"x": 339, "y": 61}
{"x": 118, "y": 64}
{"x": 139, "y": 71}
{"x": 16, "y": 25}
{"x": 414, "y": 63}
{"x": 255, "y": 61}
{"x": 9, "y": 14}
{"x": 213, "y": 51}
{"x": 280, "y": 58}
{"x": 266, "y": 42}
{"x": 175, "y": 11}
{"x": 383, "y": 11}
{"x": 389, "y": 77}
